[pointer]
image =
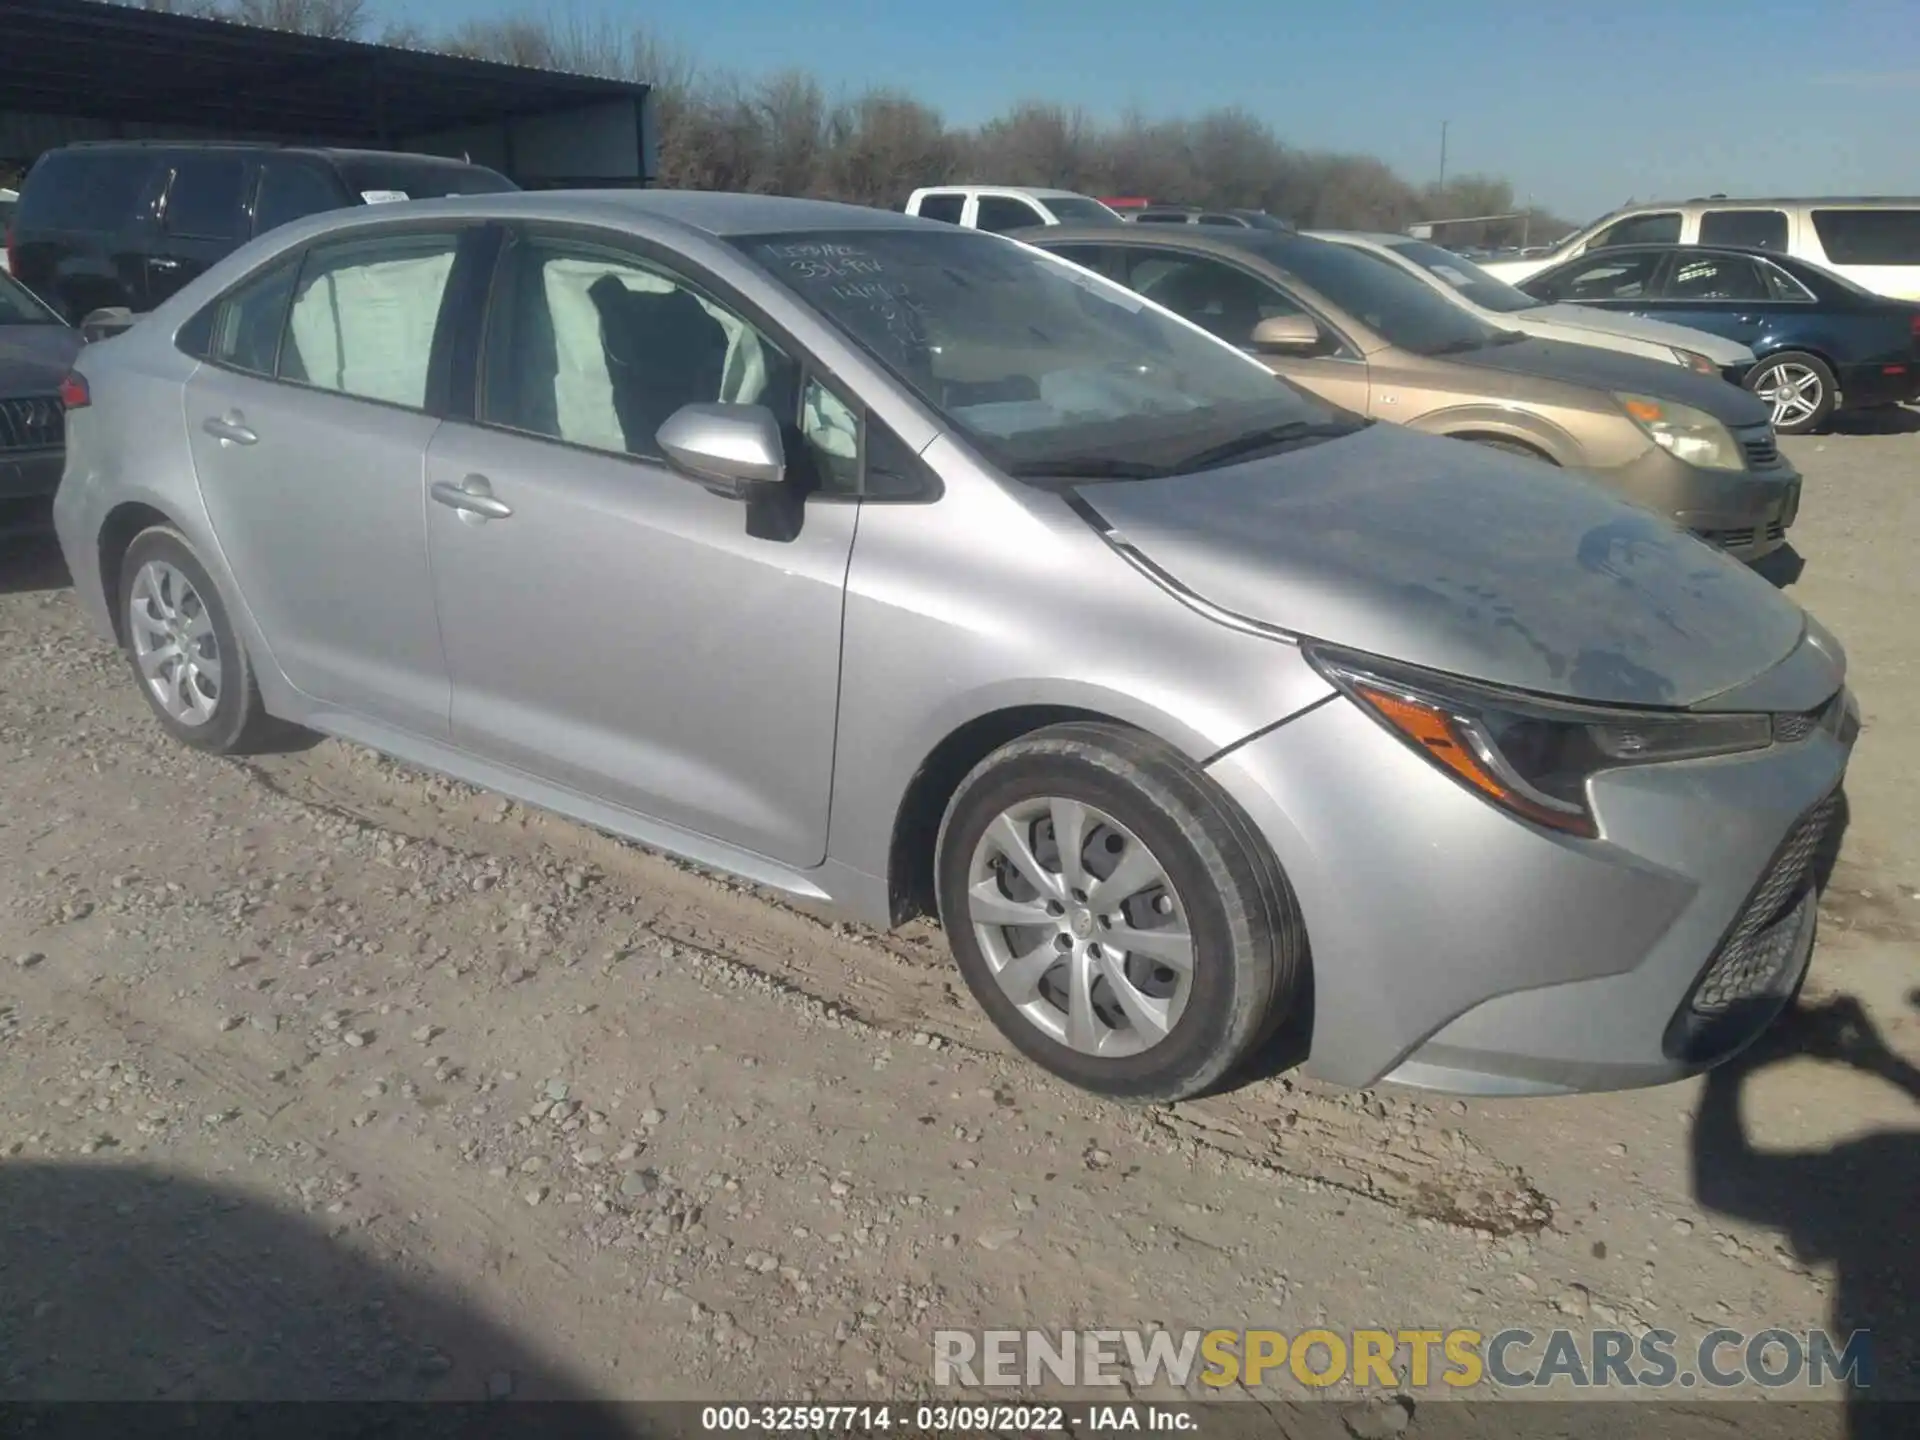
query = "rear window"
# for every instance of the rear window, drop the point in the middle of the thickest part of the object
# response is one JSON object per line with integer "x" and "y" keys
{"x": 73, "y": 190}
{"x": 1760, "y": 229}
{"x": 375, "y": 180}
{"x": 1869, "y": 237}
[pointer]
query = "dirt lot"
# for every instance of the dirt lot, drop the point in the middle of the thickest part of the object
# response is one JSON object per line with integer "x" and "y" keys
{"x": 320, "y": 1077}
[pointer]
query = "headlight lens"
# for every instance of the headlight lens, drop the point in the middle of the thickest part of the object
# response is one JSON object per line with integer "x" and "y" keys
{"x": 1529, "y": 756}
{"x": 1695, "y": 361}
{"x": 1688, "y": 434}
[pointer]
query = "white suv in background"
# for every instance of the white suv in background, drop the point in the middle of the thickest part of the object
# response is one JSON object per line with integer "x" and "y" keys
{"x": 1873, "y": 241}
{"x": 1001, "y": 208}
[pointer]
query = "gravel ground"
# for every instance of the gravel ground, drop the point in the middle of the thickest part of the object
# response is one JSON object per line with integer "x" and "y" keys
{"x": 320, "y": 1077}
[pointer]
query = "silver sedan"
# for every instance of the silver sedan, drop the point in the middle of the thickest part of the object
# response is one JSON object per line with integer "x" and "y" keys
{"x": 912, "y": 569}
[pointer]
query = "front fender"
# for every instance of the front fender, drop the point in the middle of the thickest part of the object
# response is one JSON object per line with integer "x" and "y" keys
{"x": 1505, "y": 422}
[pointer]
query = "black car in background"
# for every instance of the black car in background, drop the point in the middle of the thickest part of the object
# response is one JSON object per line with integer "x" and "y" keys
{"x": 36, "y": 351}
{"x": 1823, "y": 343}
{"x": 124, "y": 224}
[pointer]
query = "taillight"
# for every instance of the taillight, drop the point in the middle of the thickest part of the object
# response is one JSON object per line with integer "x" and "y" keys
{"x": 73, "y": 391}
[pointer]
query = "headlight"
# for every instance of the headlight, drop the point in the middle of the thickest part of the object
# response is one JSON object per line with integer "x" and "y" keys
{"x": 1684, "y": 432}
{"x": 1694, "y": 360}
{"x": 1529, "y": 756}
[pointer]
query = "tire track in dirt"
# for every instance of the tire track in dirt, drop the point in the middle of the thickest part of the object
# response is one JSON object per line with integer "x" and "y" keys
{"x": 1387, "y": 1148}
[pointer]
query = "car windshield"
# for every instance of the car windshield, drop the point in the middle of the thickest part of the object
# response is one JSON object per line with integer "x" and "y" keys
{"x": 1403, "y": 310}
{"x": 1078, "y": 210}
{"x": 400, "y": 179}
{"x": 19, "y": 305}
{"x": 1047, "y": 368}
{"x": 1466, "y": 277}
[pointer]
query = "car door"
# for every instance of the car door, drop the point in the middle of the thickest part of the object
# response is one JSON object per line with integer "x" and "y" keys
{"x": 200, "y": 219}
{"x": 309, "y": 427}
{"x": 612, "y": 626}
{"x": 1228, "y": 301}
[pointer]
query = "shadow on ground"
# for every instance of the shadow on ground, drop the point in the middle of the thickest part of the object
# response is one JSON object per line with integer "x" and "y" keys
{"x": 119, "y": 1282}
{"x": 29, "y": 560}
{"x": 1781, "y": 567}
{"x": 1882, "y": 420}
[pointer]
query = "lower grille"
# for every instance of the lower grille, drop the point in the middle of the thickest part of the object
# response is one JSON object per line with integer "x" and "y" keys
{"x": 34, "y": 422}
{"x": 1744, "y": 539}
{"x": 1760, "y": 446}
{"x": 1754, "y": 966}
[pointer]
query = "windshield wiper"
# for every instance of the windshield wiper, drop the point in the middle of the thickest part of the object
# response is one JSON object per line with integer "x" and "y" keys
{"x": 1086, "y": 467}
{"x": 1270, "y": 438}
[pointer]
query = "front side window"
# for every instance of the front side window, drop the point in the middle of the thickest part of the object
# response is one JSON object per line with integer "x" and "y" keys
{"x": 248, "y": 324}
{"x": 1610, "y": 277}
{"x": 289, "y": 191}
{"x": 946, "y": 208}
{"x": 1401, "y": 309}
{"x": 364, "y": 314}
{"x": 596, "y": 347}
{"x": 1662, "y": 227}
{"x": 1869, "y": 237}
{"x": 1221, "y": 299}
{"x": 1001, "y": 213}
{"x": 1759, "y": 229}
{"x": 1046, "y": 367}
{"x": 203, "y": 202}
{"x": 1715, "y": 277}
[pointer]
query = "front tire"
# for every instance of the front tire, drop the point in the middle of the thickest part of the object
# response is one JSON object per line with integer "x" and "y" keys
{"x": 1799, "y": 387}
{"x": 1114, "y": 913}
{"x": 181, "y": 645}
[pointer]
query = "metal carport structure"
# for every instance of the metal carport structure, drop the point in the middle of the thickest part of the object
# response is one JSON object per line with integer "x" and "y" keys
{"x": 87, "y": 70}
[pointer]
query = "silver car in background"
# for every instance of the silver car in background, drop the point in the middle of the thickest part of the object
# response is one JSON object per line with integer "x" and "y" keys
{"x": 909, "y": 568}
{"x": 1498, "y": 303}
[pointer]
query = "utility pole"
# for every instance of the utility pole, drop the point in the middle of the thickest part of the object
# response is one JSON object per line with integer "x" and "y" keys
{"x": 1443, "y": 156}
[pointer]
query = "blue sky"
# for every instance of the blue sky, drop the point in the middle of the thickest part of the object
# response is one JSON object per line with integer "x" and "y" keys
{"x": 1582, "y": 106}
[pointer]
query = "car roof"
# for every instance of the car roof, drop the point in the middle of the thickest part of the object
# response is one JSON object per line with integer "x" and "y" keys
{"x": 716, "y": 213}
{"x": 335, "y": 153}
{"x": 1037, "y": 192}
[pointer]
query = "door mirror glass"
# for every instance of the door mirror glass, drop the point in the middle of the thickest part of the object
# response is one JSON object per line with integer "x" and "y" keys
{"x": 106, "y": 322}
{"x": 728, "y": 448}
{"x": 1287, "y": 335}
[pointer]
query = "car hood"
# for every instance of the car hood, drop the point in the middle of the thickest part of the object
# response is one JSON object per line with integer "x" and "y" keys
{"x": 1458, "y": 558}
{"x": 1717, "y": 348}
{"x": 34, "y": 359}
{"x": 1597, "y": 369}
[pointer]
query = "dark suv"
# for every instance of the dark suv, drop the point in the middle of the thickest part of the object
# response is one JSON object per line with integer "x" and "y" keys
{"x": 127, "y": 223}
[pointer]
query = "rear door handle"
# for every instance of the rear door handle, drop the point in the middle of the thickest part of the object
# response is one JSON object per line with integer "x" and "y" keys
{"x": 231, "y": 429}
{"x": 472, "y": 497}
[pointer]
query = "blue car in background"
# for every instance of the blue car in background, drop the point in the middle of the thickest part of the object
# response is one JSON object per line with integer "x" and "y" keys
{"x": 1823, "y": 343}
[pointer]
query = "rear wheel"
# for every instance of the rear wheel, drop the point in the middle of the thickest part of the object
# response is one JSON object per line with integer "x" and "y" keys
{"x": 181, "y": 644}
{"x": 1799, "y": 387}
{"x": 1115, "y": 914}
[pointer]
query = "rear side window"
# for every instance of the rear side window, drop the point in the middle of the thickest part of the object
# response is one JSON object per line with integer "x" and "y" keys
{"x": 203, "y": 202}
{"x": 1000, "y": 213}
{"x": 1759, "y": 229}
{"x": 1869, "y": 237}
{"x": 364, "y": 314}
{"x": 291, "y": 191}
{"x": 248, "y": 323}
{"x": 74, "y": 190}
{"x": 946, "y": 208}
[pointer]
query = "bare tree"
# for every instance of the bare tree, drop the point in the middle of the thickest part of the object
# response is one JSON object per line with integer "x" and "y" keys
{"x": 331, "y": 19}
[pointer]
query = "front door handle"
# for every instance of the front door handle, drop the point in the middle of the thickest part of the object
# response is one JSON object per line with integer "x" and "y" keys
{"x": 163, "y": 262}
{"x": 231, "y": 429}
{"x": 472, "y": 497}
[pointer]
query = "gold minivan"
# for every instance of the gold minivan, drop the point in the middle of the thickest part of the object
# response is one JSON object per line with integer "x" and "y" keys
{"x": 1358, "y": 331}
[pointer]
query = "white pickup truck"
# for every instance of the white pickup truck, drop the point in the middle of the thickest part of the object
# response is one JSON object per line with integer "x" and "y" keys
{"x": 1001, "y": 208}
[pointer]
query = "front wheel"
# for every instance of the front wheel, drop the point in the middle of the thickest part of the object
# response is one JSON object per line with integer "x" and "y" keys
{"x": 1799, "y": 387}
{"x": 1115, "y": 914}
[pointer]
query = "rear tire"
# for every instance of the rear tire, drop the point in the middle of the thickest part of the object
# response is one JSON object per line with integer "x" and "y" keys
{"x": 1800, "y": 388}
{"x": 1154, "y": 990}
{"x": 185, "y": 656}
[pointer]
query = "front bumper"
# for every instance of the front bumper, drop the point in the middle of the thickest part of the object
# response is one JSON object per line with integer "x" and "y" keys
{"x": 1457, "y": 948}
{"x": 1747, "y": 513}
{"x": 29, "y": 474}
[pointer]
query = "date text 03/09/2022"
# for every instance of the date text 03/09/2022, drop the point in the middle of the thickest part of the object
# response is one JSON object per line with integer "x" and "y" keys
{"x": 946, "y": 1419}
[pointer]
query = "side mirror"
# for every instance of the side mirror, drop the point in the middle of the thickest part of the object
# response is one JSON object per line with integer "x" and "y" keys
{"x": 730, "y": 449}
{"x": 1286, "y": 335}
{"x": 106, "y": 322}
